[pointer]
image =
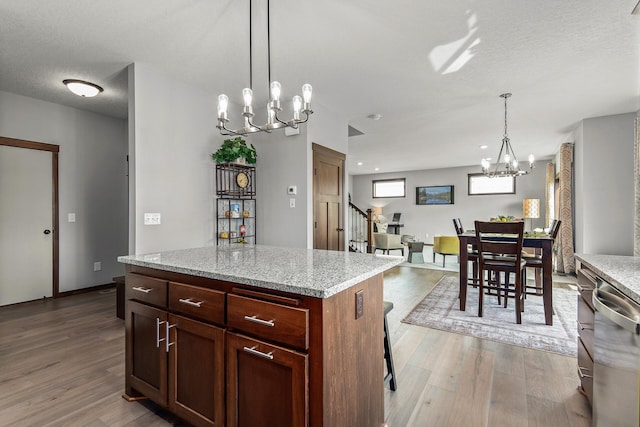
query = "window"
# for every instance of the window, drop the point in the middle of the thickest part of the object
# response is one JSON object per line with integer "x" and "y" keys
{"x": 482, "y": 184}
{"x": 388, "y": 188}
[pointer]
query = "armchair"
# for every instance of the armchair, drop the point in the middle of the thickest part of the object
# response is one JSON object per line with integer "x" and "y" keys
{"x": 387, "y": 242}
{"x": 445, "y": 245}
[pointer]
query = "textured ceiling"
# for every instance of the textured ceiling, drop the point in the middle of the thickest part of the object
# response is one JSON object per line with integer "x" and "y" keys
{"x": 434, "y": 70}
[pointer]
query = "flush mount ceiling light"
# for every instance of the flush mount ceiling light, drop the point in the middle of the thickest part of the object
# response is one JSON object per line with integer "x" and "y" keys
{"x": 300, "y": 104}
{"x": 510, "y": 165}
{"x": 82, "y": 88}
{"x": 375, "y": 116}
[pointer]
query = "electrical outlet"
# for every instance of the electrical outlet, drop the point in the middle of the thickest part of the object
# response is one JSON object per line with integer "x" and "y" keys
{"x": 359, "y": 303}
{"x": 97, "y": 266}
{"x": 151, "y": 219}
{"x": 292, "y": 203}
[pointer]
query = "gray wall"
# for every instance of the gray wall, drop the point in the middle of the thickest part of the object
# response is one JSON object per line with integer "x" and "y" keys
{"x": 420, "y": 220}
{"x": 172, "y": 131}
{"x": 604, "y": 181}
{"x": 92, "y": 182}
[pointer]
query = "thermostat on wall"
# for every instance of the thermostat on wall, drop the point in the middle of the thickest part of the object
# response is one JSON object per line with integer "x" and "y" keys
{"x": 292, "y": 189}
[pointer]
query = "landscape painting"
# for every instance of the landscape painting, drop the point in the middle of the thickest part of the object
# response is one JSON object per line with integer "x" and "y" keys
{"x": 434, "y": 195}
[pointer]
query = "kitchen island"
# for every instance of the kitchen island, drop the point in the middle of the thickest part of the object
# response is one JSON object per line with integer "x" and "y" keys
{"x": 253, "y": 335}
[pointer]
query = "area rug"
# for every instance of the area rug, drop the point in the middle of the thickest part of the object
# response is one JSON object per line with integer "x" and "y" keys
{"x": 440, "y": 309}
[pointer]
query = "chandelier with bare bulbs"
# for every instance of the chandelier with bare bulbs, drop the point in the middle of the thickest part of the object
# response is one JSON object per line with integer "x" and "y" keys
{"x": 301, "y": 105}
{"x": 510, "y": 165}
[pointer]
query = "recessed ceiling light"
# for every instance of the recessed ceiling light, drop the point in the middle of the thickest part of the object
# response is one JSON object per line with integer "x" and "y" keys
{"x": 359, "y": 163}
{"x": 484, "y": 147}
{"x": 82, "y": 88}
{"x": 375, "y": 116}
{"x": 376, "y": 169}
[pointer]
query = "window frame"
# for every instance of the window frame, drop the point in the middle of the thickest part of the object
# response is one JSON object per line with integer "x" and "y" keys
{"x": 472, "y": 176}
{"x": 375, "y": 181}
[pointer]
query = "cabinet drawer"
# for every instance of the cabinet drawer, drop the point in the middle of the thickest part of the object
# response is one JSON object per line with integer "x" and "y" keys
{"x": 585, "y": 324}
{"x": 586, "y": 284}
{"x": 201, "y": 303}
{"x": 146, "y": 289}
{"x": 275, "y": 322}
{"x": 585, "y": 370}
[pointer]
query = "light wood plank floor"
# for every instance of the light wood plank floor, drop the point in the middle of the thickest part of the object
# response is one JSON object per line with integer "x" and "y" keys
{"x": 62, "y": 364}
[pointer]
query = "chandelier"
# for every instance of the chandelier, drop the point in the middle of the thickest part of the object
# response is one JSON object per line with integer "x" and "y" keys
{"x": 510, "y": 164}
{"x": 301, "y": 105}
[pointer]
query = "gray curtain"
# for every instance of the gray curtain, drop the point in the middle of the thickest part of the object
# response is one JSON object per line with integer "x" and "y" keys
{"x": 565, "y": 262}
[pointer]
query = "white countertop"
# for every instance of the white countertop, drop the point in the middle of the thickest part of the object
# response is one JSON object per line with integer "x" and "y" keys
{"x": 623, "y": 272}
{"x": 310, "y": 272}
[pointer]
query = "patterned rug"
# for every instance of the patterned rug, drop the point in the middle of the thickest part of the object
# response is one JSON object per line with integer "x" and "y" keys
{"x": 440, "y": 310}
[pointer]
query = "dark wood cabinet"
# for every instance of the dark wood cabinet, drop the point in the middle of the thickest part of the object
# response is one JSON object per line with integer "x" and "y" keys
{"x": 146, "y": 353}
{"x": 585, "y": 318}
{"x": 218, "y": 353}
{"x": 266, "y": 384}
{"x": 196, "y": 371}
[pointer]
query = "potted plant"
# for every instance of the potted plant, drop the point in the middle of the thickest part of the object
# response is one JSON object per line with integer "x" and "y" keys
{"x": 235, "y": 151}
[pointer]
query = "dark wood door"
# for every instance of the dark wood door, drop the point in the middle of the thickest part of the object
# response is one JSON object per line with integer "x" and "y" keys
{"x": 196, "y": 371}
{"x": 146, "y": 351}
{"x": 328, "y": 195}
{"x": 266, "y": 384}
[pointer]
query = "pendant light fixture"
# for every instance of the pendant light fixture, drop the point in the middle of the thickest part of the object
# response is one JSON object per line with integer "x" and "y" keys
{"x": 301, "y": 105}
{"x": 509, "y": 164}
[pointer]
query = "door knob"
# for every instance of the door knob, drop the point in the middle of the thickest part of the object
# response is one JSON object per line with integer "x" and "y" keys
{"x": 47, "y": 231}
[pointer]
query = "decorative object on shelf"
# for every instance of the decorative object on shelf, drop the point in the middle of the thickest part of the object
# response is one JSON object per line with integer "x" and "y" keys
{"x": 245, "y": 214}
{"x": 235, "y": 151}
{"x": 235, "y": 210}
{"x": 531, "y": 210}
{"x": 242, "y": 179}
{"x": 273, "y": 107}
{"x": 511, "y": 166}
{"x": 243, "y": 230}
{"x": 239, "y": 224}
{"x": 231, "y": 181}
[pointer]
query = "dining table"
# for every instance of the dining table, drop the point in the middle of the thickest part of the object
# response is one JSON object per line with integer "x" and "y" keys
{"x": 542, "y": 244}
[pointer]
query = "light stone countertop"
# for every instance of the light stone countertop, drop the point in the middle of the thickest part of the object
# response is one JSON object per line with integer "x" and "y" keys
{"x": 623, "y": 272}
{"x": 309, "y": 272}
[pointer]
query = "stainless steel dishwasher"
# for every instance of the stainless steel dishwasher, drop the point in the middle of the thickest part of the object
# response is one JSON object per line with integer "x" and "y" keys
{"x": 616, "y": 361}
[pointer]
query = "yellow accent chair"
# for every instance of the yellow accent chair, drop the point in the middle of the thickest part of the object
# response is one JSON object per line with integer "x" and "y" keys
{"x": 445, "y": 245}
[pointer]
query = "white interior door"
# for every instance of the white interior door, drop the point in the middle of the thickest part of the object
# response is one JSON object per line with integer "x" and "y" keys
{"x": 26, "y": 231}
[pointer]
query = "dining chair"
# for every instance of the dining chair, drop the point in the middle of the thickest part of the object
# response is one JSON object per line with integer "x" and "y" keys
{"x": 535, "y": 261}
{"x": 500, "y": 251}
{"x": 472, "y": 253}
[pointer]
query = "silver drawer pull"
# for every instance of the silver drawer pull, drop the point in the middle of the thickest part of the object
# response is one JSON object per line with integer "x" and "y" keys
{"x": 158, "y": 339}
{"x": 255, "y": 352}
{"x": 141, "y": 289}
{"x": 582, "y": 374}
{"x": 583, "y": 327}
{"x": 260, "y": 321}
{"x": 188, "y": 301}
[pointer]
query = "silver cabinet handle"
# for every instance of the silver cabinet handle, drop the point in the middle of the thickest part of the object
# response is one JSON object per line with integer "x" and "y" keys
{"x": 260, "y": 321}
{"x": 190, "y": 302}
{"x": 167, "y": 343}
{"x": 581, "y": 374}
{"x": 158, "y": 339}
{"x": 255, "y": 352}
{"x": 583, "y": 327}
{"x": 141, "y": 289}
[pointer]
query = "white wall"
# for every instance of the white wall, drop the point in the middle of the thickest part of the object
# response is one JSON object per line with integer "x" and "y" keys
{"x": 92, "y": 182}
{"x": 604, "y": 197}
{"x": 420, "y": 220}
{"x": 174, "y": 135}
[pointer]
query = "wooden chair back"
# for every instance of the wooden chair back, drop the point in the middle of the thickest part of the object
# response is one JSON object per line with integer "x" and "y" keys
{"x": 488, "y": 245}
{"x": 554, "y": 228}
{"x": 458, "y": 226}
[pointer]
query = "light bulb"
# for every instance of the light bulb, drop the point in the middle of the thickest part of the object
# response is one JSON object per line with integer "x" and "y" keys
{"x": 297, "y": 105}
{"x": 485, "y": 164}
{"x": 275, "y": 91}
{"x": 271, "y": 115}
{"x": 507, "y": 158}
{"x": 531, "y": 159}
{"x": 247, "y": 95}
{"x": 223, "y": 103}
{"x": 306, "y": 92}
{"x": 515, "y": 164}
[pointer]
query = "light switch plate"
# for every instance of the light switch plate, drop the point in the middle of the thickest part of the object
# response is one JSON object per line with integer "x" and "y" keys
{"x": 71, "y": 217}
{"x": 292, "y": 203}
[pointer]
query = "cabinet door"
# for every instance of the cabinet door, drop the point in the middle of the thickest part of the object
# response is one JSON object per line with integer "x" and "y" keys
{"x": 266, "y": 384}
{"x": 146, "y": 351}
{"x": 196, "y": 371}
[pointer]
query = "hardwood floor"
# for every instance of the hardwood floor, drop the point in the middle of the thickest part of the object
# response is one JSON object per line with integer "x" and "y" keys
{"x": 62, "y": 364}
